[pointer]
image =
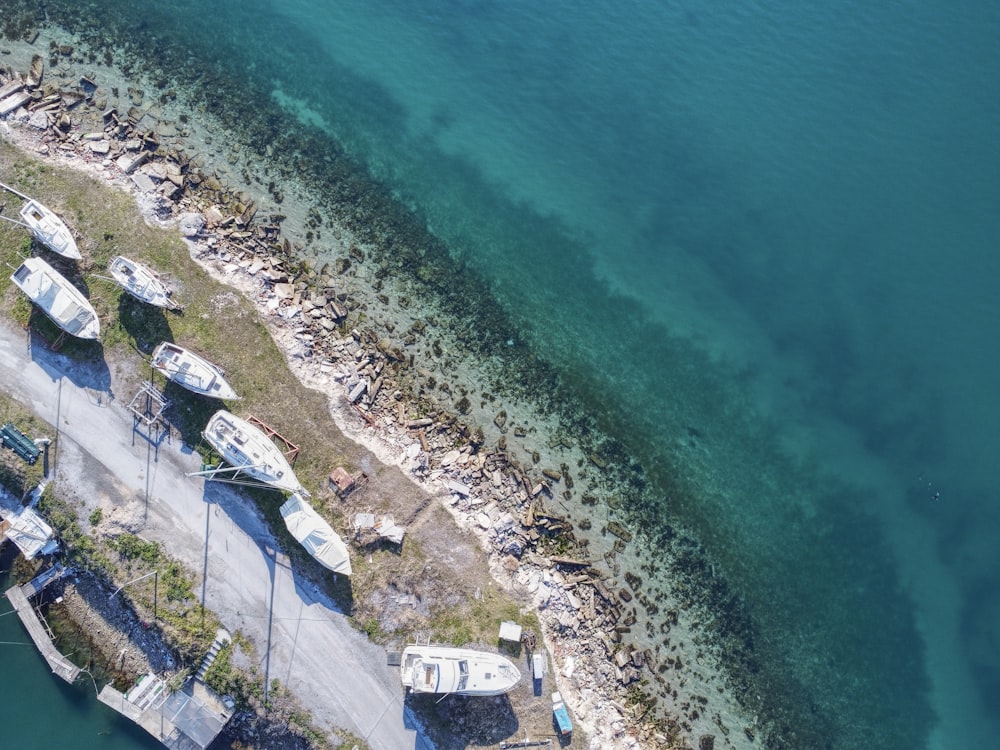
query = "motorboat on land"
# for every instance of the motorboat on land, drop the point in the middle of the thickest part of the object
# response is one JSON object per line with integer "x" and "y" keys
{"x": 316, "y": 535}
{"x": 192, "y": 371}
{"x": 141, "y": 282}
{"x": 49, "y": 229}
{"x": 458, "y": 671}
{"x": 58, "y": 298}
{"x": 246, "y": 448}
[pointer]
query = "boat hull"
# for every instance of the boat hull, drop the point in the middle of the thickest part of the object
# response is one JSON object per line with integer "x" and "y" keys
{"x": 49, "y": 229}
{"x": 54, "y": 295}
{"x": 456, "y": 671}
{"x": 191, "y": 371}
{"x": 318, "y": 538}
{"x": 246, "y": 448}
{"x": 140, "y": 282}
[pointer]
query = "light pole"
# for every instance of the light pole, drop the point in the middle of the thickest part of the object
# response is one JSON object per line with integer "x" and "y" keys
{"x": 156, "y": 579}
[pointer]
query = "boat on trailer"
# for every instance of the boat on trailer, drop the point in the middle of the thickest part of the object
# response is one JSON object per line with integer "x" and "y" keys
{"x": 58, "y": 298}
{"x": 456, "y": 671}
{"x": 49, "y": 229}
{"x": 312, "y": 531}
{"x": 141, "y": 282}
{"x": 249, "y": 451}
{"x": 192, "y": 371}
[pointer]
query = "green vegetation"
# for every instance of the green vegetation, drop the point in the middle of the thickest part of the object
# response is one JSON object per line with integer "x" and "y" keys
{"x": 478, "y": 619}
{"x": 245, "y": 686}
{"x": 131, "y": 547}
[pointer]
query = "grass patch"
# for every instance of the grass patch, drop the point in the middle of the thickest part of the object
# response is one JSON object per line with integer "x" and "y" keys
{"x": 477, "y": 620}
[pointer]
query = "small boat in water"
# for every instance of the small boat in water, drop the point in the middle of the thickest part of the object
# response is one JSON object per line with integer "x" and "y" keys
{"x": 247, "y": 449}
{"x": 316, "y": 535}
{"x": 141, "y": 282}
{"x": 192, "y": 371}
{"x": 49, "y": 229}
{"x": 57, "y": 298}
{"x": 459, "y": 671}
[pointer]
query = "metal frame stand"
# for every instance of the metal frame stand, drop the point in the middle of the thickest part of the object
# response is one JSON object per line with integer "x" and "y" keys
{"x": 147, "y": 407}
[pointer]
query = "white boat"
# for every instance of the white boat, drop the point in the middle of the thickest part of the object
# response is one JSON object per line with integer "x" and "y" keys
{"x": 141, "y": 282}
{"x": 28, "y": 530}
{"x": 49, "y": 229}
{"x": 248, "y": 449}
{"x": 192, "y": 371}
{"x": 57, "y": 298}
{"x": 316, "y": 535}
{"x": 459, "y": 671}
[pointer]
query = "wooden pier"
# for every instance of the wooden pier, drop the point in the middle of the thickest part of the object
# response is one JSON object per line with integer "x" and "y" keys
{"x": 187, "y": 719}
{"x": 39, "y": 633}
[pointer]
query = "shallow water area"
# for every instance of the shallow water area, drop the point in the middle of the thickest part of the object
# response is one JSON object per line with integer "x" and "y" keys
{"x": 756, "y": 306}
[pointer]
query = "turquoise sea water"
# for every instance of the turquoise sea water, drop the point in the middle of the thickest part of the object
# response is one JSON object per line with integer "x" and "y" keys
{"x": 760, "y": 240}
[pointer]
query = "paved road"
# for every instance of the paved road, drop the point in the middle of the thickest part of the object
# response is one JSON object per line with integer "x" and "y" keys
{"x": 337, "y": 674}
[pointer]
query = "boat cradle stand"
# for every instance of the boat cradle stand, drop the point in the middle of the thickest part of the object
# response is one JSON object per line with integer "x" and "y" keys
{"x": 147, "y": 407}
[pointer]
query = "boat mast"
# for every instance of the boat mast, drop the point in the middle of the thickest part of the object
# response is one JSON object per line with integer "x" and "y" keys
{"x": 18, "y": 193}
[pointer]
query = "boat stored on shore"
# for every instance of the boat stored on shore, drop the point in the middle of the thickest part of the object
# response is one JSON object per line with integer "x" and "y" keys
{"x": 248, "y": 450}
{"x": 141, "y": 282}
{"x": 456, "y": 671}
{"x": 49, "y": 229}
{"x": 312, "y": 531}
{"x": 58, "y": 298}
{"x": 192, "y": 371}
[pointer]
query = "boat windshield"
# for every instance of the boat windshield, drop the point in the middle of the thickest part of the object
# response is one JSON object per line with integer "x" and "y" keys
{"x": 463, "y": 671}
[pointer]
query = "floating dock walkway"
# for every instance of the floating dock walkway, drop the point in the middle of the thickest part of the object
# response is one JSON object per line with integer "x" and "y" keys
{"x": 37, "y": 629}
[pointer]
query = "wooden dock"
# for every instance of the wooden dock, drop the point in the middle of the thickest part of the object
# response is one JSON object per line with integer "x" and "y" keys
{"x": 187, "y": 719}
{"x": 59, "y": 664}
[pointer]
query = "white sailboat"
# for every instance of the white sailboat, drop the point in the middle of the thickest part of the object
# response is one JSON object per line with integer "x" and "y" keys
{"x": 58, "y": 298}
{"x": 49, "y": 229}
{"x": 192, "y": 371}
{"x": 459, "y": 671}
{"x": 44, "y": 225}
{"x": 316, "y": 535}
{"x": 141, "y": 282}
{"x": 248, "y": 450}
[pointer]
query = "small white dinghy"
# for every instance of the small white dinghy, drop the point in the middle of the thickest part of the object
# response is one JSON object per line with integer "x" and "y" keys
{"x": 316, "y": 535}
{"x": 192, "y": 371}
{"x": 49, "y": 229}
{"x": 58, "y": 298}
{"x": 248, "y": 450}
{"x": 459, "y": 671}
{"x": 141, "y": 282}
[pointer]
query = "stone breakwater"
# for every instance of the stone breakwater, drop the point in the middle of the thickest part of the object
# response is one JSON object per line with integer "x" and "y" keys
{"x": 127, "y": 646}
{"x": 627, "y": 693}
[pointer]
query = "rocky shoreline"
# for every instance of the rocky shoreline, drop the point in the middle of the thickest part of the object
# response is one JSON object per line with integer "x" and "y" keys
{"x": 479, "y": 461}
